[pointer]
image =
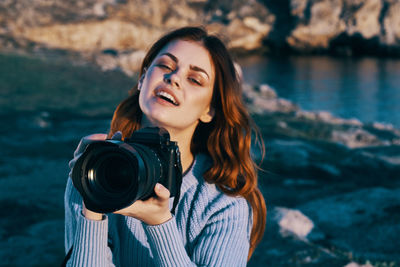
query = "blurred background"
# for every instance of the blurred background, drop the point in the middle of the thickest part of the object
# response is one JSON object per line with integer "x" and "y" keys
{"x": 321, "y": 79}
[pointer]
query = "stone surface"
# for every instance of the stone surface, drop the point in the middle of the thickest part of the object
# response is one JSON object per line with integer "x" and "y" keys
{"x": 343, "y": 27}
{"x": 317, "y": 29}
{"x": 331, "y": 184}
{"x": 329, "y": 204}
{"x": 292, "y": 222}
{"x": 362, "y": 220}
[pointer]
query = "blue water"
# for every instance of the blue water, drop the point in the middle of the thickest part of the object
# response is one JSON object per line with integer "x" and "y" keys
{"x": 365, "y": 88}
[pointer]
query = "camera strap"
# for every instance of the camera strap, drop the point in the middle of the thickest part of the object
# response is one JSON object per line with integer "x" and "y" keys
{"x": 64, "y": 263}
{"x": 176, "y": 200}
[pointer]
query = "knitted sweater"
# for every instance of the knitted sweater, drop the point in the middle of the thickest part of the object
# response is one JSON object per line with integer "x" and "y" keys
{"x": 209, "y": 228}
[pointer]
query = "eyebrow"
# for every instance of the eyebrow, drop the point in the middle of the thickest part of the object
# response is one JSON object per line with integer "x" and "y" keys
{"x": 195, "y": 68}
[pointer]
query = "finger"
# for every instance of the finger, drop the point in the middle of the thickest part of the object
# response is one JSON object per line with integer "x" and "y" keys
{"x": 161, "y": 192}
{"x": 117, "y": 136}
{"x": 96, "y": 137}
{"x": 71, "y": 164}
{"x": 87, "y": 140}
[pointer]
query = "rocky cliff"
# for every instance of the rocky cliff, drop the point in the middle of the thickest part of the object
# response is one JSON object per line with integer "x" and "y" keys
{"x": 123, "y": 27}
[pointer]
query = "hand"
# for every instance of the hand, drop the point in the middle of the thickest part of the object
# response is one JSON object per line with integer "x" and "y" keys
{"x": 85, "y": 141}
{"x": 152, "y": 211}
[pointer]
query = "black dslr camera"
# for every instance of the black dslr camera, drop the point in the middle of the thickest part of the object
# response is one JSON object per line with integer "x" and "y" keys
{"x": 111, "y": 174}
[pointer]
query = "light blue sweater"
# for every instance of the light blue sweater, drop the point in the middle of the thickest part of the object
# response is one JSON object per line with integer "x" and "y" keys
{"x": 208, "y": 229}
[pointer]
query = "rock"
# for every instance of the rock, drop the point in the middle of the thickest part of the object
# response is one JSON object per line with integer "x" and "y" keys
{"x": 106, "y": 62}
{"x": 365, "y": 221}
{"x": 292, "y": 222}
{"x": 263, "y": 98}
{"x": 115, "y": 24}
{"x": 41, "y": 244}
{"x": 289, "y": 249}
{"x": 93, "y": 26}
{"x": 354, "y": 264}
{"x": 319, "y": 28}
{"x": 267, "y": 91}
{"x": 104, "y": 34}
{"x": 391, "y": 24}
{"x": 356, "y": 137}
{"x": 346, "y": 27}
{"x": 247, "y": 33}
{"x": 319, "y": 125}
{"x": 338, "y": 26}
{"x": 365, "y": 19}
{"x": 130, "y": 63}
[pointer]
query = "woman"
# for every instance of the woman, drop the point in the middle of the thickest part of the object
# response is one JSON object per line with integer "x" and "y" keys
{"x": 188, "y": 85}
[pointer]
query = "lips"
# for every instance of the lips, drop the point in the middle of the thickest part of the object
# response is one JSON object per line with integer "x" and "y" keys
{"x": 167, "y": 95}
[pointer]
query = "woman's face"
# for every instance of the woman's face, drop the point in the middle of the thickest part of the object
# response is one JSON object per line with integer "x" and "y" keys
{"x": 177, "y": 88}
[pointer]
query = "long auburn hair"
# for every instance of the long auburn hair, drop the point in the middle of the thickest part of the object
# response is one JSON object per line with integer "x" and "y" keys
{"x": 227, "y": 139}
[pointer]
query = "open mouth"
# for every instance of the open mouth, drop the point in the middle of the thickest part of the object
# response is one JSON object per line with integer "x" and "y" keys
{"x": 167, "y": 97}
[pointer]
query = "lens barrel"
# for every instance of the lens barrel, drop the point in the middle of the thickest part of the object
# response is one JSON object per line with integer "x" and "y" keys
{"x": 111, "y": 175}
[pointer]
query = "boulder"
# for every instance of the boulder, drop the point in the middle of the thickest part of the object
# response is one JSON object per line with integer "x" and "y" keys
{"x": 104, "y": 34}
{"x": 391, "y": 24}
{"x": 363, "y": 221}
{"x": 365, "y": 18}
{"x": 318, "y": 23}
{"x": 345, "y": 26}
{"x": 130, "y": 25}
{"x": 292, "y": 222}
{"x": 337, "y": 26}
{"x": 355, "y": 264}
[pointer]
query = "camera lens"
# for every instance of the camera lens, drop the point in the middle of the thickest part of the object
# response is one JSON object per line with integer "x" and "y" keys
{"x": 114, "y": 173}
{"x": 111, "y": 176}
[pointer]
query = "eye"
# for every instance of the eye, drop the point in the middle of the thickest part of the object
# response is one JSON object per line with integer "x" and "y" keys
{"x": 164, "y": 66}
{"x": 194, "y": 80}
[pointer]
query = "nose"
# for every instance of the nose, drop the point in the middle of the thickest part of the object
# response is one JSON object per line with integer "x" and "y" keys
{"x": 172, "y": 78}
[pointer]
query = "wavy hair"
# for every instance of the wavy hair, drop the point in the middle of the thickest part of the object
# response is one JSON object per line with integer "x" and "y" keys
{"x": 227, "y": 139}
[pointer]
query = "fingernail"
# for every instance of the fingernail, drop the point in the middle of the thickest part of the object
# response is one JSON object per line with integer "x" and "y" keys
{"x": 117, "y": 136}
{"x": 160, "y": 187}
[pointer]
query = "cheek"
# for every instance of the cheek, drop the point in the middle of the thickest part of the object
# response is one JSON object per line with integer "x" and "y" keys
{"x": 202, "y": 101}
{"x": 143, "y": 99}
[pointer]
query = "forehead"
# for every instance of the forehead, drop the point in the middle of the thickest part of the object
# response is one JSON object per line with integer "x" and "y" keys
{"x": 189, "y": 52}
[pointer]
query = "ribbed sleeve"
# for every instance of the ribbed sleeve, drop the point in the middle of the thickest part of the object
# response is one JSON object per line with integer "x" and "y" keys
{"x": 90, "y": 244}
{"x": 224, "y": 240}
{"x": 87, "y": 238}
{"x": 166, "y": 244}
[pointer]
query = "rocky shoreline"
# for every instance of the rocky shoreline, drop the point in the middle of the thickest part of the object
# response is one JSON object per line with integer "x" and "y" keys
{"x": 331, "y": 185}
{"x": 114, "y": 33}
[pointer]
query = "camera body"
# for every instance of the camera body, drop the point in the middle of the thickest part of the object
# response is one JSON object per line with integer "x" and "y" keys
{"x": 112, "y": 174}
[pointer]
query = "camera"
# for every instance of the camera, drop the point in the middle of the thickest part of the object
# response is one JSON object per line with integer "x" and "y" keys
{"x": 112, "y": 174}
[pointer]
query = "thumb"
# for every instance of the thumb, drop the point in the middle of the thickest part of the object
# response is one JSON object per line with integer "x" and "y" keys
{"x": 85, "y": 141}
{"x": 161, "y": 191}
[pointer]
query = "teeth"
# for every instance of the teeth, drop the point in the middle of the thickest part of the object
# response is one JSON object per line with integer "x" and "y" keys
{"x": 167, "y": 96}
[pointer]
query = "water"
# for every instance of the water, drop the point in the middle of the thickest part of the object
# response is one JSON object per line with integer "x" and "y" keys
{"x": 362, "y": 88}
{"x": 365, "y": 88}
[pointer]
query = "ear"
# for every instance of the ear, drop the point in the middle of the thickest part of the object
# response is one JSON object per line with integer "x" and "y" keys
{"x": 208, "y": 115}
